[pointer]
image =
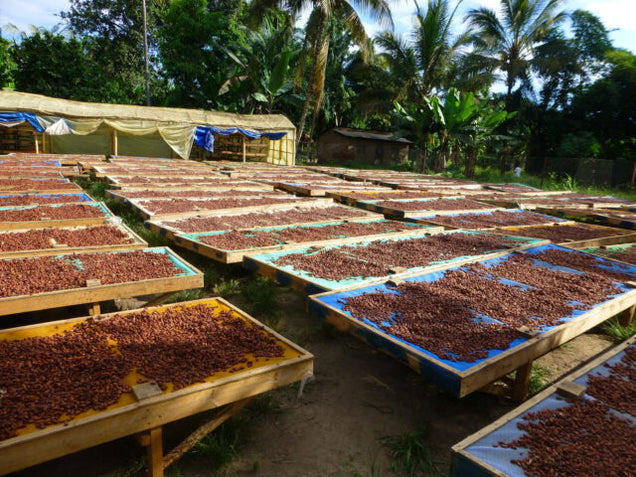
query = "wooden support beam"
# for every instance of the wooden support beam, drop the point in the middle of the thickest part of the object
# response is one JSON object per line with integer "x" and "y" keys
{"x": 244, "y": 142}
{"x": 160, "y": 299}
{"x": 522, "y": 382}
{"x": 627, "y": 316}
{"x": 154, "y": 450}
{"x": 190, "y": 441}
{"x": 94, "y": 309}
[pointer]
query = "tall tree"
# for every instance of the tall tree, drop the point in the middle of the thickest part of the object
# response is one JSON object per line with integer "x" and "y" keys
{"x": 117, "y": 29}
{"x": 507, "y": 41}
{"x": 317, "y": 37}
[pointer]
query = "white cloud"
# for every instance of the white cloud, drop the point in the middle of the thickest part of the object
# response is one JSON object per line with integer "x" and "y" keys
{"x": 40, "y": 13}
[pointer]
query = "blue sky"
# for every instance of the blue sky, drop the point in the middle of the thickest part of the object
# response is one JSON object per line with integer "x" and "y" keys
{"x": 617, "y": 15}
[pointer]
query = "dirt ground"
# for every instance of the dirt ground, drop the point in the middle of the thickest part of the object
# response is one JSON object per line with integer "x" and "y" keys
{"x": 335, "y": 428}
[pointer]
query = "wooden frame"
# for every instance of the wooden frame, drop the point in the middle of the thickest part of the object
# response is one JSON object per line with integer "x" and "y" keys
{"x": 549, "y": 220}
{"x": 286, "y": 201}
{"x": 130, "y": 416}
{"x": 463, "y": 463}
{"x": 94, "y": 294}
{"x": 136, "y": 244}
{"x": 394, "y": 211}
{"x": 462, "y": 383}
{"x": 603, "y": 217}
{"x": 262, "y": 266}
{"x": 158, "y": 227}
{"x": 222, "y": 185}
{"x": 190, "y": 242}
{"x": 83, "y": 198}
{"x": 321, "y": 190}
{"x": 617, "y": 235}
{"x": 108, "y": 216}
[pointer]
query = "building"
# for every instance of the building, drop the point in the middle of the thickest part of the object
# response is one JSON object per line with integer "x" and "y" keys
{"x": 359, "y": 146}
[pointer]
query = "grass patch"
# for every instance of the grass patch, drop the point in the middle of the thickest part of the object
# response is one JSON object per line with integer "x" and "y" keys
{"x": 618, "y": 332}
{"x": 186, "y": 295}
{"x": 410, "y": 453}
{"x": 538, "y": 379}
{"x": 261, "y": 294}
{"x": 227, "y": 287}
{"x": 96, "y": 189}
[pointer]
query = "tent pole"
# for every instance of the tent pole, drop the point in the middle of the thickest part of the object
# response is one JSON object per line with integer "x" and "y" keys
{"x": 35, "y": 140}
{"x": 244, "y": 149}
{"x": 43, "y": 143}
{"x": 114, "y": 145}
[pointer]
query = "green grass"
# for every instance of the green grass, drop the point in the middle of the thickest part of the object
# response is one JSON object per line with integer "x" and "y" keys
{"x": 261, "y": 294}
{"x": 410, "y": 453}
{"x": 186, "y": 295}
{"x": 226, "y": 288}
{"x": 618, "y": 332}
{"x": 538, "y": 379}
{"x": 93, "y": 188}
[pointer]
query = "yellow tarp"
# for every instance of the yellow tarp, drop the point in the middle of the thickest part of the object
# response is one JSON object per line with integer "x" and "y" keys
{"x": 174, "y": 125}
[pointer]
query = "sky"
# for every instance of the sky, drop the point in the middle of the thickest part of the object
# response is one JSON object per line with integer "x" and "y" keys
{"x": 617, "y": 15}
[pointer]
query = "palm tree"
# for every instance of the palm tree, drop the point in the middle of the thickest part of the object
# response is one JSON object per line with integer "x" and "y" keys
{"x": 507, "y": 41}
{"x": 316, "y": 45}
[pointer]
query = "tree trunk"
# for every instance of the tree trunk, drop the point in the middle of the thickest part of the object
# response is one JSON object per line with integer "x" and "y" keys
{"x": 309, "y": 95}
{"x": 471, "y": 160}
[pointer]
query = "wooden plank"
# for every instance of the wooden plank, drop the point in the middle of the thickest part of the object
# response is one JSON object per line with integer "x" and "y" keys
{"x": 95, "y": 294}
{"x": 132, "y": 416}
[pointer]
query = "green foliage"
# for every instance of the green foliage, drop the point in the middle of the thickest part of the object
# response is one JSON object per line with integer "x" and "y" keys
{"x": 538, "y": 379}
{"x": 261, "y": 294}
{"x": 186, "y": 295}
{"x": 226, "y": 288}
{"x": 580, "y": 144}
{"x": 410, "y": 452}
{"x": 7, "y": 64}
{"x": 618, "y": 332}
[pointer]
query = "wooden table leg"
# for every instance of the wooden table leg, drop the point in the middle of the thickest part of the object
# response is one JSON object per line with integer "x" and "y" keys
{"x": 155, "y": 453}
{"x": 94, "y": 309}
{"x": 627, "y": 316}
{"x": 522, "y": 382}
{"x": 160, "y": 299}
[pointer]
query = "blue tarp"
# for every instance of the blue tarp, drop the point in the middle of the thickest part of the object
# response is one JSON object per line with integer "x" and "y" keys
{"x": 204, "y": 135}
{"x": 28, "y": 117}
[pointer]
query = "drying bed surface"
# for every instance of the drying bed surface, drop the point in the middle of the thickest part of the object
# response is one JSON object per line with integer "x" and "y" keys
{"x": 388, "y": 195}
{"x": 164, "y": 180}
{"x": 157, "y": 194}
{"x": 201, "y": 184}
{"x": 261, "y": 219}
{"x": 624, "y": 254}
{"x": 462, "y": 314}
{"x": 38, "y": 239}
{"x": 437, "y": 204}
{"x": 239, "y": 240}
{"x": 50, "y": 380}
{"x": 585, "y": 436}
{"x": 41, "y": 199}
{"x": 561, "y": 233}
{"x": 498, "y": 218}
{"x": 185, "y": 205}
{"x": 36, "y": 184}
{"x": 378, "y": 258}
{"x": 28, "y": 276}
{"x": 56, "y": 212}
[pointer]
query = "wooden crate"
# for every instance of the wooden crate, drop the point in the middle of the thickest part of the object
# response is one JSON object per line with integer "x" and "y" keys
{"x": 465, "y": 463}
{"x": 603, "y": 217}
{"x": 193, "y": 242}
{"x": 221, "y": 185}
{"x": 68, "y": 198}
{"x": 482, "y": 372}
{"x": 316, "y": 190}
{"x": 107, "y": 216}
{"x": 136, "y": 243}
{"x": 190, "y": 278}
{"x": 263, "y": 264}
{"x": 431, "y": 220}
{"x": 69, "y": 188}
{"x": 129, "y": 415}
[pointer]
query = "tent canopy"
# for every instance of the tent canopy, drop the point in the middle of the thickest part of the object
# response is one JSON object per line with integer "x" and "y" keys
{"x": 175, "y": 126}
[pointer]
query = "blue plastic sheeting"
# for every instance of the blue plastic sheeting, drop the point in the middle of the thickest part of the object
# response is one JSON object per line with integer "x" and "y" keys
{"x": 500, "y": 457}
{"x": 30, "y": 118}
{"x": 204, "y": 135}
{"x": 336, "y": 300}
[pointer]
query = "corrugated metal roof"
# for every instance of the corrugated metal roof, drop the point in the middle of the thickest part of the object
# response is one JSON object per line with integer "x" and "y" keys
{"x": 376, "y": 136}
